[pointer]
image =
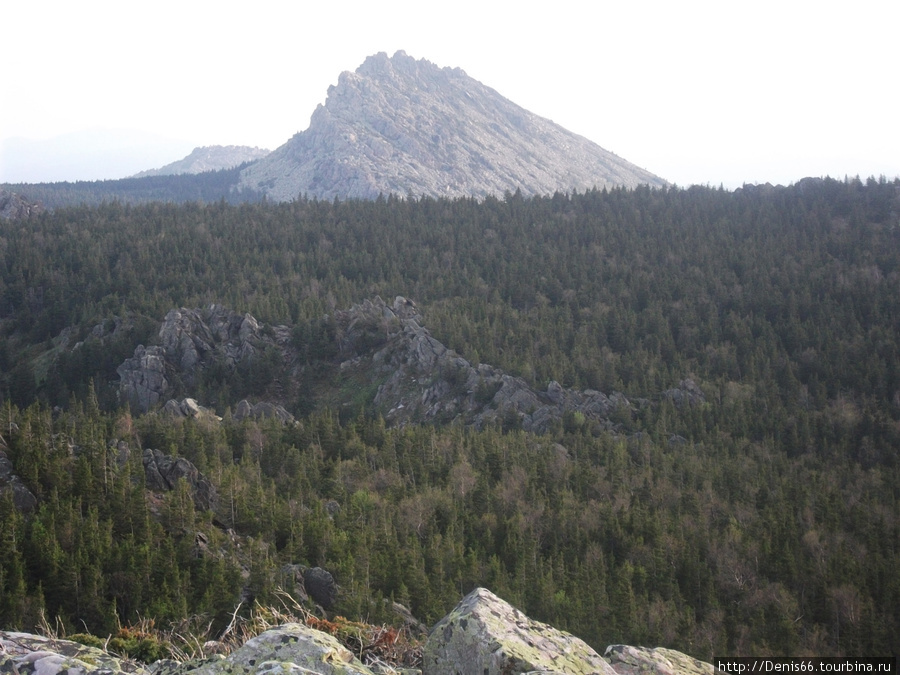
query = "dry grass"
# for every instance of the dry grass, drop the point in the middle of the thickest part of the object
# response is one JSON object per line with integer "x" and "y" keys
{"x": 192, "y": 638}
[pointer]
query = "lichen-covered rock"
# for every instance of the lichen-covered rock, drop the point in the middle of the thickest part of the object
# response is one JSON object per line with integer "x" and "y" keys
{"x": 484, "y": 634}
{"x": 290, "y": 649}
{"x": 627, "y": 660}
{"x": 26, "y": 654}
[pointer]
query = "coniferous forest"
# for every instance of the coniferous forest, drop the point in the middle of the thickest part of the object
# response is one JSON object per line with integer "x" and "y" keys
{"x": 764, "y": 521}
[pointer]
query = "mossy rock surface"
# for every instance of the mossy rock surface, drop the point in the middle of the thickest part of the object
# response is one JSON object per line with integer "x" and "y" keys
{"x": 486, "y": 635}
{"x": 628, "y": 660}
{"x": 27, "y": 654}
{"x": 290, "y": 649}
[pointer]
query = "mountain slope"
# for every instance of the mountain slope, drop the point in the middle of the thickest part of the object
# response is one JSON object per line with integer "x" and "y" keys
{"x": 405, "y": 126}
{"x": 208, "y": 158}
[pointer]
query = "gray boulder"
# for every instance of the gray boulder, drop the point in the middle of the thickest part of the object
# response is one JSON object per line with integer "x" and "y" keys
{"x": 188, "y": 408}
{"x": 290, "y": 649}
{"x": 484, "y": 634}
{"x": 320, "y": 586}
{"x": 26, "y": 654}
{"x": 627, "y": 660}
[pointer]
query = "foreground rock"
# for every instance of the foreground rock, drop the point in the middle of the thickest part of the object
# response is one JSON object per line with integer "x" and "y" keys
{"x": 26, "y": 654}
{"x": 627, "y": 660}
{"x": 290, "y": 649}
{"x": 484, "y": 634}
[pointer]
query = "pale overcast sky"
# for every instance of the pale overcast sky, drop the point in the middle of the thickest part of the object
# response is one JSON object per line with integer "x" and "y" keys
{"x": 705, "y": 92}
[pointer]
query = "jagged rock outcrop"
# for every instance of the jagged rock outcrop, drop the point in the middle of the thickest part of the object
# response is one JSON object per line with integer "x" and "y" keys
{"x": 189, "y": 335}
{"x": 373, "y": 347}
{"x": 191, "y": 340}
{"x": 405, "y": 126}
{"x": 423, "y": 381}
{"x": 484, "y": 634}
{"x": 23, "y": 499}
{"x": 14, "y": 206}
{"x": 162, "y": 473}
{"x": 208, "y": 158}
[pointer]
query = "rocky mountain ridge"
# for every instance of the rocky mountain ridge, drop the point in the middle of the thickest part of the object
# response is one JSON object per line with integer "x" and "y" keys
{"x": 377, "y": 354}
{"x": 14, "y": 206}
{"x": 405, "y": 126}
{"x": 208, "y": 158}
{"x": 482, "y": 634}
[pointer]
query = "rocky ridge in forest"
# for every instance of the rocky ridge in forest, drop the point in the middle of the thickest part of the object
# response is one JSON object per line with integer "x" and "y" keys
{"x": 14, "y": 206}
{"x": 191, "y": 342}
{"x": 421, "y": 380}
{"x": 482, "y": 634}
{"x": 408, "y": 127}
{"x": 378, "y": 356}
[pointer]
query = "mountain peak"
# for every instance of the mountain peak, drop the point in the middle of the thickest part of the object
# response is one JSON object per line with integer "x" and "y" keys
{"x": 407, "y": 126}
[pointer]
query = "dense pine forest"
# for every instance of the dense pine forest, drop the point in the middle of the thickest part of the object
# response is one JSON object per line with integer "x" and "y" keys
{"x": 205, "y": 186}
{"x": 764, "y": 521}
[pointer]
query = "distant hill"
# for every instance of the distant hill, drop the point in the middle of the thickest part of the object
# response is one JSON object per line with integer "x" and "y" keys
{"x": 208, "y": 158}
{"x": 95, "y": 154}
{"x": 405, "y": 126}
